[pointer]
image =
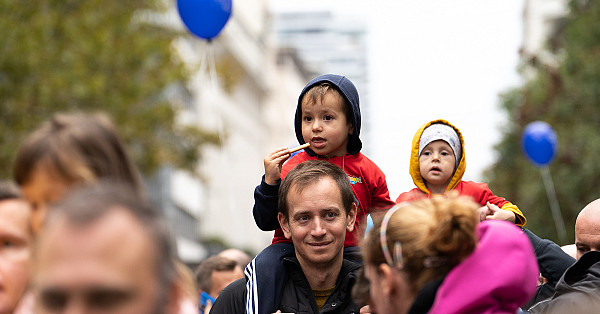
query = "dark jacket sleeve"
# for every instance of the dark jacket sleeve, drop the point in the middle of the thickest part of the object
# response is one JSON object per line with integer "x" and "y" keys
{"x": 265, "y": 205}
{"x": 553, "y": 263}
{"x": 232, "y": 299}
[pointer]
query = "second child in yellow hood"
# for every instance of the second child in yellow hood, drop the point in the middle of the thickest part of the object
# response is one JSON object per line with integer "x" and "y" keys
{"x": 437, "y": 164}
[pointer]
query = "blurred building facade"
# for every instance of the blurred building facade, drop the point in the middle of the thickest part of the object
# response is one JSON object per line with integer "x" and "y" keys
{"x": 327, "y": 41}
{"x": 245, "y": 89}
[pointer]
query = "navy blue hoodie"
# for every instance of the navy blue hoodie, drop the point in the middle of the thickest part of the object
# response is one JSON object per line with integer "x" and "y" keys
{"x": 349, "y": 92}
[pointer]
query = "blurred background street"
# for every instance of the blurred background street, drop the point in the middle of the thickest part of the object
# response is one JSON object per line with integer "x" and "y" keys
{"x": 199, "y": 116}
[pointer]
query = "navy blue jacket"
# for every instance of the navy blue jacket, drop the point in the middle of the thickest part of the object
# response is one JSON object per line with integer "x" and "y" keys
{"x": 297, "y": 295}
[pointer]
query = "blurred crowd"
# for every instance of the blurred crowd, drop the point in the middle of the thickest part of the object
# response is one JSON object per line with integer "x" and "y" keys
{"x": 79, "y": 234}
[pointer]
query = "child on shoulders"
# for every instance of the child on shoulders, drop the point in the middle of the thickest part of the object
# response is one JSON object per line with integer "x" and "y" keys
{"x": 437, "y": 165}
{"x": 328, "y": 118}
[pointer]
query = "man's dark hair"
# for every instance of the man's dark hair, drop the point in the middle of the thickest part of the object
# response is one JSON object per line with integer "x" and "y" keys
{"x": 208, "y": 266}
{"x": 9, "y": 191}
{"x": 307, "y": 173}
{"x": 87, "y": 204}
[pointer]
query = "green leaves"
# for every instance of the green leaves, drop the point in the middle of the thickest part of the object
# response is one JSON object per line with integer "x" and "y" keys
{"x": 65, "y": 55}
{"x": 568, "y": 98}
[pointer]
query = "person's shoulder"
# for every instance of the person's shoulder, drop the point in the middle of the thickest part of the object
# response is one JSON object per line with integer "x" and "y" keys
{"x": 578, "y": 288}
{"x": 349, "y": 271}
{"x": 235, "y": 292}
{"x": 351, "y": 265}
{"x": 295, "y": 160}
{"x": 411, "y": 195}
{"x": 361, "y": 160}
{"x": 472, "y": 184}
{"x": 238, "y": 286}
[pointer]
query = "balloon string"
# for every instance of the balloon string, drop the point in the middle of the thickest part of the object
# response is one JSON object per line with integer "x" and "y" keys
{"x": 212, "y": 69}
{"x": 554, "y": 207}
{"x": 208, "y": 67}
{"x": 203, "y": 59}
{"x": 209, "y": 71}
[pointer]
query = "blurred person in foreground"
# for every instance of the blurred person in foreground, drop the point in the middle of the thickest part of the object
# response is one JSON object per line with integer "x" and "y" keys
{"x": 433, "y": 256}
{"x": 213, "y": 275}
{"x": 15, "y": 255}
{"x": 316, "y": 210}
{"x": 102, "y": 250}
{"x": 189, "y": 288}
{"x": 68, "y": 150}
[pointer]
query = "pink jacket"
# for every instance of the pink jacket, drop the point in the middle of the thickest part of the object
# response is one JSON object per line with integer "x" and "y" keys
{"x": 500, "y": 276}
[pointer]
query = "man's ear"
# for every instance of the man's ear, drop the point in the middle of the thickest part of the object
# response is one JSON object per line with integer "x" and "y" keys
{"x": 351, "y": 219}
{"x": 285, "y": 226}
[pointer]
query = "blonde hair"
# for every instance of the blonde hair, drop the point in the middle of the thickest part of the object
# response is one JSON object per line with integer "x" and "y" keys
{"x": 435, "y": 235}
{"x": 80, "y": 148}
{"x": 186, "y": 279}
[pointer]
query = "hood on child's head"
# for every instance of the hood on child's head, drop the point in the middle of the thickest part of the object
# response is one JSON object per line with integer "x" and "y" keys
{"x": 349, "y": 92}
{"x": 438, "y": 129}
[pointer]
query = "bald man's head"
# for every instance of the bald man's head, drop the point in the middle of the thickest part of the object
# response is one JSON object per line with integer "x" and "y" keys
{"x": 587, "y": 229}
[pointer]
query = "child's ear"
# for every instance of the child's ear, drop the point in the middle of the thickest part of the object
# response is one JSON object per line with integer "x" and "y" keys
{"x": 351, "y": 131}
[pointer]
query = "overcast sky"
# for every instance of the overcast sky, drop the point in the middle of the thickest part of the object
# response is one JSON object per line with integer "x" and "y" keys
{"x": 432, "y": 59}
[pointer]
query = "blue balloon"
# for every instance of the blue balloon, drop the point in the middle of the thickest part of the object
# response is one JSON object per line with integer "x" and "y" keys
{"x": 204, "y": 18}
{"x": 539, "y": 142}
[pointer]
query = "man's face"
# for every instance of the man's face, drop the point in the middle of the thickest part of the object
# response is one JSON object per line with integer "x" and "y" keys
{"x": 107, "y": 266}
{"x": 221, "y": 279}
{"x": 317, "y": 223}
{"x": 15, "y": 252}
{"x": 587, "y": 234}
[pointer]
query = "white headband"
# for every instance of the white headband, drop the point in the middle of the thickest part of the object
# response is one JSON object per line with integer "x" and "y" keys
{"x": 442, "y": 132}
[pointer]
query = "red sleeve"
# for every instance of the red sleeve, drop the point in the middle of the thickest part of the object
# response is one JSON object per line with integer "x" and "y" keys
{"x": 481, "y": 193}
{"x": 292, "y": 162}
{"x": 380, "y": 196}
{"x": 412, "y": 195}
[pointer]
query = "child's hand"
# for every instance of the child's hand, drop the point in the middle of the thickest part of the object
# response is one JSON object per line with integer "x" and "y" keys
{"x": 365, "y": 309}
{"x": 499, "y": 214}
{"x": 208, "y": 306}
{"x": 273, "y": 164}
{"x": 484, "y": 211}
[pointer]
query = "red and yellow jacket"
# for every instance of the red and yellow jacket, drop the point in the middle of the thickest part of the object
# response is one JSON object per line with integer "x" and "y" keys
{"x": 480, "y": 192}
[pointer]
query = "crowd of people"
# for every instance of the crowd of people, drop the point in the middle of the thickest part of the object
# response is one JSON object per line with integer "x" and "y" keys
{"x": 79, "y": 234}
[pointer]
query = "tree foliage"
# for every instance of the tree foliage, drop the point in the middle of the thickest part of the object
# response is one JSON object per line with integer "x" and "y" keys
{"x": 71, "y": 55}
{"x": 565, "y": 95}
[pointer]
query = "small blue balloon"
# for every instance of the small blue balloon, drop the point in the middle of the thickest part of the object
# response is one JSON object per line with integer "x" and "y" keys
{"x": 204, "y": 18}
{"x": 539, "y": 141}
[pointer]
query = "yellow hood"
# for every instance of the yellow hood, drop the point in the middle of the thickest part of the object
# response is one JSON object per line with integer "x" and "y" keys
{"x": 414, "y": 170}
